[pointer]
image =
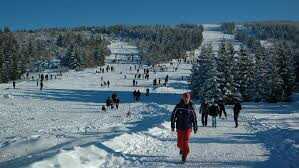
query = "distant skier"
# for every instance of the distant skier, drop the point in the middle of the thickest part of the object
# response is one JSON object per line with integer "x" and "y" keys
{"x": 214, "y": 111}
{"x": 183, "y": 118}
{"x": 221, "y": 108}
{"x": 204, "y": 110}
{"x": 237, "y": 109}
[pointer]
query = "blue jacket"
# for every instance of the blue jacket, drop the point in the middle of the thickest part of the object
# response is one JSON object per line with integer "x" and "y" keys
{"x": 183, "y": 117}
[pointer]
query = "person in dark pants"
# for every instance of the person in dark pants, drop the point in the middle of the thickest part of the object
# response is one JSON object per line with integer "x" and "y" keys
{"x": 134, "y": 96}
{"x": 204, "y": 110}
{"x": 117, "y": 103}
{"x": 214, "y": 111}
{"x": 221, "y": 109}
{"x": 237, "y": 109}
{"x": 14, "y": 84}
{"x": 41, "y": 85}
{"x": 183, "y": 118}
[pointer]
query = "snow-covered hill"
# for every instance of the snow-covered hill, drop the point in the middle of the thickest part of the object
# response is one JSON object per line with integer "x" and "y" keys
{"x": 63, "y": 126}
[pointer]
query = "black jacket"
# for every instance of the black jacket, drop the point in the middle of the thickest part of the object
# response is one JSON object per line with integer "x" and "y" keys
{"x": 214, "y": 110}
{"x": 183, "y": 117}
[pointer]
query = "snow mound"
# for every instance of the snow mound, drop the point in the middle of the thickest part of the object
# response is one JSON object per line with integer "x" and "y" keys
{"x": 8, "y": 96}
{"x": 136, "y": 143}
{"x": 89, "y": 157}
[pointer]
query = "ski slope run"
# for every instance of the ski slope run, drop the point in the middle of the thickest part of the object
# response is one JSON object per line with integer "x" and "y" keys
{"x": 63, "y": 126}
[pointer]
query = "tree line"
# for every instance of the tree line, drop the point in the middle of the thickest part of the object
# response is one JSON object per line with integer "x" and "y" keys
{"x": 159, "y": 43}
{"x": 287, "y": 32}
{"x": 268, "y": 74}
{"x": 21, "y": 51}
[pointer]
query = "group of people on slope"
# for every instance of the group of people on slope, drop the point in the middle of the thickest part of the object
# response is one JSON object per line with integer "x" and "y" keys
{"x": 111, "y": 102}
{"x": 216, "y": 108}
{"x": 183, "y": 119}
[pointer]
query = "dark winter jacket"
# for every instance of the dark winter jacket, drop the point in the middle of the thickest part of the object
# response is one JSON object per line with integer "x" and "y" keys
{"x": 183, "y": 117}
{"x": 204, "y": 108}
{"x": 214, "y": 110}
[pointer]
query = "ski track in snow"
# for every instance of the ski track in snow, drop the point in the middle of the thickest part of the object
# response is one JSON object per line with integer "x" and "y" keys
{"x": 63, "y": 126}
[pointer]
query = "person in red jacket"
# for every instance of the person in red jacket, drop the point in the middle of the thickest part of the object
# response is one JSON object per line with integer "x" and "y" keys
{"x": 183, "y": 118}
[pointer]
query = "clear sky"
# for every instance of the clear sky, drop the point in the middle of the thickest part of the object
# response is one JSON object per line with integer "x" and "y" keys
{"x": 19, "y": 14}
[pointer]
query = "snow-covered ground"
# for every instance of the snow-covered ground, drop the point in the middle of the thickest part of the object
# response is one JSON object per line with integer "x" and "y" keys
{"x": 63, "y": 126}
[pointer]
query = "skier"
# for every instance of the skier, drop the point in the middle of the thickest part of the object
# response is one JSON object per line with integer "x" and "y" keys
{"x": 214, "y": 111}
{"x": 14, "y": 84}
{"x": 183, "y": 118}
{"x": 237, "y": 109}
{"x": 221, "y": 108}
{"x": 204, "y": 110}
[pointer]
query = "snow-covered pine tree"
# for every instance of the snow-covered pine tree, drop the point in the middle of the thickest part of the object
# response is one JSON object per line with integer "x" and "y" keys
{"x": 273, "y": 82}
{"x": 199, "y": 74}
{"x": 204, "y": 79}
{"x": 225, "y": 68}
{"x": 246, "y": 72}
{"x": 286, "y": 68}
{"x": 1, "y": 63}
{"x": 260, "y": 73}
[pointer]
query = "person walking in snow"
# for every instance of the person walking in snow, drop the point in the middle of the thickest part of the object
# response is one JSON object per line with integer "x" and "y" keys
{"x": 221, "y": 109}
{"x": 108, "y": 102}
{"x": 117, "y": 102}
{"x": 204, "y": 110}
{"x": 237, "y": 109}
{"x": 41, "y": 85}
{"x": 214, "y": 111}
{"x": 14, "y": 84}
{"x": 108, "y": 83}
{"x": 134, "y": 95}
{"x": 138, "y": 95}
{"x": 147, "y": 92}
{"x": 183, "y": 118}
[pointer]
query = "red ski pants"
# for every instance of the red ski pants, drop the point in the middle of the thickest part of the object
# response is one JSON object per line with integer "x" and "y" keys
{"x": 183, "y": 140}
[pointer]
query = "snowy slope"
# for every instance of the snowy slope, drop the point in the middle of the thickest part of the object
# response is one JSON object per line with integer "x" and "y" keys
{"x": 62, "y": 126}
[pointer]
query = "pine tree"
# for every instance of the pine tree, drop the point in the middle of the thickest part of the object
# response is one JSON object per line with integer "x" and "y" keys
{"x": 204, "y": 77}
{"x": 1, "y": 63}
{"x": 286, "y": 68}
{"x": 259, "y": 74}
{"x": 273, "y": 81}
{"x": 225, "y": 68}
{"x": 246, "y": 71}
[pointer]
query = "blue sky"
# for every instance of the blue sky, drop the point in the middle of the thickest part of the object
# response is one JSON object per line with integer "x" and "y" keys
{"x": 19, "y": 14}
